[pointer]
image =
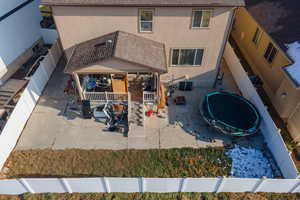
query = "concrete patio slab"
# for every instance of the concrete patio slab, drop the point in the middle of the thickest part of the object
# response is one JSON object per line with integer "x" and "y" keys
{"x": 53, "y": 125}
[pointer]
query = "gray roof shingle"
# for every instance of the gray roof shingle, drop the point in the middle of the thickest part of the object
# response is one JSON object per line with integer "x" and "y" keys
{"x": 121, "y": 45}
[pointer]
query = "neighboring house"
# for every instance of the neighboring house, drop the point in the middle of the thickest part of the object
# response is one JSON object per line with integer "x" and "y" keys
{"x": 263, "y": 31}
{"x": 19, "y": 33}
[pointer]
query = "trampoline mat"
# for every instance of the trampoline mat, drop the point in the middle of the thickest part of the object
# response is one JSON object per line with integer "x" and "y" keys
{"x": 232, "y": 110}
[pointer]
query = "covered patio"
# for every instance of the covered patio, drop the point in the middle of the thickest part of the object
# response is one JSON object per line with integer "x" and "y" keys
{"x": 117, "y": 67}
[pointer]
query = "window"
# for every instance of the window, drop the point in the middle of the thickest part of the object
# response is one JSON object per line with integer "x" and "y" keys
{"x": 270, "y": 53}
{"x": 146, "y": 20}
{"x": 201, "y": 18}
{"x": 191, "y": 57}
{"x": 257, "y": 36}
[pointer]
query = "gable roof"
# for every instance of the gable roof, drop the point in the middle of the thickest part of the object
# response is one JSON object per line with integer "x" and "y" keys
{"x": 280, "y": 18}
{"x": 119, "y": 45}
{"x": 166, "y": 3}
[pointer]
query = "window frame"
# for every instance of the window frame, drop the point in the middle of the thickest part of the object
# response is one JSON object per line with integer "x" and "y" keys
{"x": 259, "y": 36}
{"x": 179, "y": 55}
{"x": 267, "y": 57}
{"x": 140, "y": 10}
{"x": 193, "y": 17}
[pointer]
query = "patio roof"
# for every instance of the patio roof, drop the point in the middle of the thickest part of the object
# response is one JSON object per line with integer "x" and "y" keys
{"x": 147, "y": 54}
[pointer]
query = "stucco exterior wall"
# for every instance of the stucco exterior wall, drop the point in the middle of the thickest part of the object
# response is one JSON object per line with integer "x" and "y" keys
{"x": 272, "y": 74}
{"x": 286, "y": 99}
{"x": 294, "y": 125}
{"x": 171, "y": 27}
{"x": 289, "y": 107}
{"x": 280, "y": 89}
{"x": 243, "y": 32}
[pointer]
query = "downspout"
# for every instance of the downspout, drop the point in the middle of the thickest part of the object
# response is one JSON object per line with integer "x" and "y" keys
{"x": 229, "y": 28}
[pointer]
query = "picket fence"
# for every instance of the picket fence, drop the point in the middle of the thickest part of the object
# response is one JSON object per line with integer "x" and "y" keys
{"x": 268, "y": 128}
{"x": 18, "y": 118}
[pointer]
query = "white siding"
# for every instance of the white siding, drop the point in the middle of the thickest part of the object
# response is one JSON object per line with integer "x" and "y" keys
{"x": 18, "y": 31}
{"x": 6, "y": 6}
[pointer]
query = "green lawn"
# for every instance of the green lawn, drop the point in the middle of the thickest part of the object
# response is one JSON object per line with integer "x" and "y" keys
{"x": 185, "y": 162}
{"x": 152, "y": 196}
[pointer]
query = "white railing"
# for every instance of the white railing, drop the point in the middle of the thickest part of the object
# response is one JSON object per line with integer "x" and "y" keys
{"x": 149, "y": 97}
{"x": 106, "y": 96}
{"x": 159, "y": 185}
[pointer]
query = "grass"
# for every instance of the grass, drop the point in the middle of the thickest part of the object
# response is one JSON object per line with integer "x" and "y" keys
{"x": 155, "y": 196}
{"x": 186, "y": 162}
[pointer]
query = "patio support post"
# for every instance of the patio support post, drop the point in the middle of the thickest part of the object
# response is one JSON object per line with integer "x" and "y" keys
{"x": 106, "y": 97}
{"x": 158, "y": 88}
{"x": 79, "y": 88}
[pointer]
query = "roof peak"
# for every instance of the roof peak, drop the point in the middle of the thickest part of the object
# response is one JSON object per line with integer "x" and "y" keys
{"x": 118, "y": 45}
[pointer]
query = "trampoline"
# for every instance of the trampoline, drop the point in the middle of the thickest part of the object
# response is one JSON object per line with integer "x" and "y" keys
{"x": 230, "y": 114}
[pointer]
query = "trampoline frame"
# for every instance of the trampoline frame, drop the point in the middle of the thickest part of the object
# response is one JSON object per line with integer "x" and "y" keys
{"x": 227, "y": 128}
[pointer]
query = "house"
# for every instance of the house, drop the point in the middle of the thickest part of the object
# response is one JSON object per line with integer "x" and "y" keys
{"x": 129, "y": 46}
{"x": 20, "y": 32}
{"x": 264, "y": 30}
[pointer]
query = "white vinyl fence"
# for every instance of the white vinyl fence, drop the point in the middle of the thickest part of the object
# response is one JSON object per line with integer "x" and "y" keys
{"x": 158, "y": 185}
{"x": 268, "y": 127}
{"x": 49, "y": 35}
{"x": 18, "y": 118}
{"x": 29, "y": 98}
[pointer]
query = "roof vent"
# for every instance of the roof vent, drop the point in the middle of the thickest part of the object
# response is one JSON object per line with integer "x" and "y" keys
{"x": 100, "y": 44}
{"x": 107, "y": 42}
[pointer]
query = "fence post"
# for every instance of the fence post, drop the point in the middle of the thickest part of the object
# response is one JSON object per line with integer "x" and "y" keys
{"x": 219, "y": 184}
{"x": 26, "y": 185}
{"x": 66, "y": 185}
{"x": 106, "y": 185}
{"x": 106, "y": 98}
{"x": 141, "y": 184}
{"x": 182, "y": 185}
{"x": 258, "y": 185}
{"x": 295, "y": 187}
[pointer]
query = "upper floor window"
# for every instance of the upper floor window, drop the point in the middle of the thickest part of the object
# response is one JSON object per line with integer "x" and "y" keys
{"x": 146, "y": 20}
{"x": 181, "y": 57}
{"x": 201, "y": 18}
{"x": 270, "y": 53}
{"x": 257, "y": 36}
